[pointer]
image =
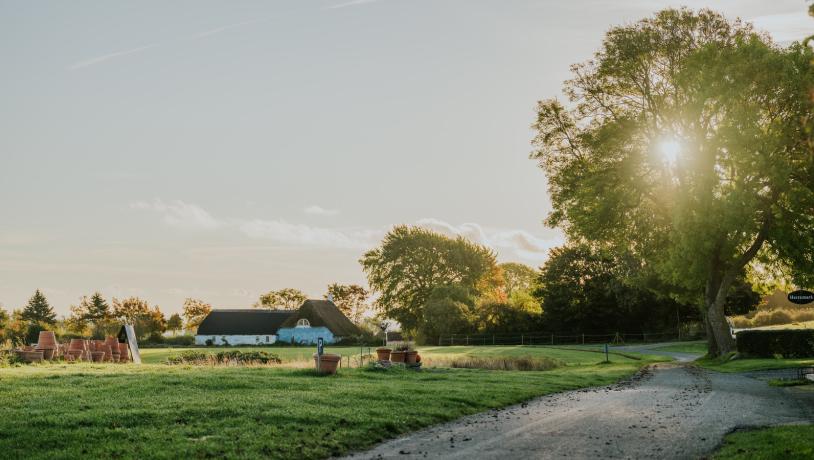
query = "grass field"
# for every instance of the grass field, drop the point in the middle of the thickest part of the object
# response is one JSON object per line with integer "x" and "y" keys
{"x": 698, "y": 348}
{"x": 160, "y": 411}
{"x": 751, "y": 364}
{"x": 570, "y": 356}
{"x": 785, "y": 442}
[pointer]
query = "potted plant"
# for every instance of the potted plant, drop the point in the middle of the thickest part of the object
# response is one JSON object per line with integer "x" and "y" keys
{"x": 398, "y": 355}
{"x": 383, "y": 353}
{"x": 327, "y": 363}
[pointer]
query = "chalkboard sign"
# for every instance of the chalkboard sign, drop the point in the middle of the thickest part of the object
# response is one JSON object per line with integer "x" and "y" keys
{"x": 320, "y": 346}
{"x": 801, "y": 297}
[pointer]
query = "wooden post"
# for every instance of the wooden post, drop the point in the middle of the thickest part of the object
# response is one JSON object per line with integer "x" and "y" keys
{"x": 583, "y": 339}
{"x": 493, "y": 339}
{"x": 521, "y": 339}
{"x": 552, "y": 339}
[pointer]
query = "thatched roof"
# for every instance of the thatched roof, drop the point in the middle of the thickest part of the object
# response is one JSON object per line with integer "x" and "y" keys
{"x": 244, "y": 322}
{"x": 323, "y": 313}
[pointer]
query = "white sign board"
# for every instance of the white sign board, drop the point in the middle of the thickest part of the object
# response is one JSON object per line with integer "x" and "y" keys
{"x": 131, "y": 340}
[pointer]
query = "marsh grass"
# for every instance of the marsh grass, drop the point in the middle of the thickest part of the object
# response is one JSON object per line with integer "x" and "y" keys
{"x": 495, "y": 363}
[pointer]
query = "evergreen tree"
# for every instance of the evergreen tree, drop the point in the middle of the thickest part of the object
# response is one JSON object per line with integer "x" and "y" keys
{"x": 97, "y": 309}
{"x": 38, "y": 310}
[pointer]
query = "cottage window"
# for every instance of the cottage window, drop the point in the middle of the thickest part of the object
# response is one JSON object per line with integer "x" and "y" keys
{"x": 303, "y": 323}
{"x": 267, "y": 339}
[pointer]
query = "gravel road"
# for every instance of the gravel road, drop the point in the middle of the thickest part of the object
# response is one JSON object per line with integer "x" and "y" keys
{"x": 667, "y": 411}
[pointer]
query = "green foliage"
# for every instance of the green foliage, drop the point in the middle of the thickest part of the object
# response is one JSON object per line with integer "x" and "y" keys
{"x": 175, "y": 323}
{"x": 38, "y": 311}
{"x": 585, "y": 290}
{"x": 285, "y": 299}
{"x": 787, "y": 343}
{"x": 224, "y": 357}
{"x": 195, "y": 311}
{"x": 449, "y": 310}
{"x": 351, "y": 299}
{"x": 412, "y": 261}
{"x": 517, "y": 277}
{"x": 740, "y": 186}
{"x": 93, "y": 313}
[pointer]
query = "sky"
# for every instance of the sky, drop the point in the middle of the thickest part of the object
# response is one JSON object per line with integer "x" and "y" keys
{"x": 219, "y": 150}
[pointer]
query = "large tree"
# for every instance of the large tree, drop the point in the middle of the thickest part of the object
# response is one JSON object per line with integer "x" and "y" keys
{"x": 285, "y": 299}
{"x": 38, "y": 310}
{"x": 683, "y": 149}
{"x": 92, "y": 312}
{"x": 351, "y": 299}
{"x": 412, "y": 261}
{"x": 195, "y": 310}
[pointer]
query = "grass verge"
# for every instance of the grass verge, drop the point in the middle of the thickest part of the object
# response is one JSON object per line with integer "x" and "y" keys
{"x": 724, "y": 364}
{"x": 157, "y": 411}
{"x": 698, "y": 348}
{"x": 783, "y": 442}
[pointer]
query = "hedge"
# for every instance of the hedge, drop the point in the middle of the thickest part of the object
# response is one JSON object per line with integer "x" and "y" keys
{"x": 788, "y": 343}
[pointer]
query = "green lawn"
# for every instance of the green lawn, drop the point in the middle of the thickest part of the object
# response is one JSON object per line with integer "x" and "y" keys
{"x": 785, "y": 442}
{"x": 292, "y": 354}
{"x": 160, "y": 411}
{"x": 698, "y": 348}
{"x": 752, "y": 364}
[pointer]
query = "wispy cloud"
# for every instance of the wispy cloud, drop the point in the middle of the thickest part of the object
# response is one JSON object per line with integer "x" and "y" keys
{"x": 785, "y": 28}
{"x": 511, "y": 244}
{"x": 96, "y": 60}
{"x": 507, "y": 242}
{"x": 350, "y": 3}
{"x": 180, "y": 214}
{"x": 320, "y": 211}
{"x": 220, "y": 29}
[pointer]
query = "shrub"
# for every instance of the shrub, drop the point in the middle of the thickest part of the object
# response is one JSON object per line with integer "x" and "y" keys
{"x": 232, "y": 357}
{"x": 773, "y": 317}
{"x": 788, "y": 343}
{"x": 498, "y": 364}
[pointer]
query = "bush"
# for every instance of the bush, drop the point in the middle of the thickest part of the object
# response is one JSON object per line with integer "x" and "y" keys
{"x": 773, "y": 317}
{"x": 788, "y": 343}
{"x": 233, "y": 357}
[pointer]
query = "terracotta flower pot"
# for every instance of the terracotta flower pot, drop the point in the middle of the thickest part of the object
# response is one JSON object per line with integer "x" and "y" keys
{"x": 47, "y": 353}
{"x": 397, "y": 356}
{"x": 74, "y": 355}
{"x": 47, "y": 340}
{"x": 29, "y": 356}
{"x": 76, "y": 344}
{"x": 383, "y": 354}
{"x": 410, "y": 357}
{"x": 418, "y": 358}
{"x": 97, "y": 356}
{"x": 124, "y": 352}
{"x": 327, "y": 363}
{"x": 112, "y": 342}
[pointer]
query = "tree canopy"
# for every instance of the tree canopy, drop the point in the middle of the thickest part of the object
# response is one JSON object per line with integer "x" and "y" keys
{"x": 683, "y": 149}
{"x": 412, "y": 261}
{"x": 38, "y": 311}
{"x": 284, "y": 299}
{"x": 351, "y": 299}
{"x": 195, "y": 310}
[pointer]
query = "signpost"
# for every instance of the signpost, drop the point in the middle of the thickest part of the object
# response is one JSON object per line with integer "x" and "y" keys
{"x": 320, "y": 350}
{"x": 606, "y": 353}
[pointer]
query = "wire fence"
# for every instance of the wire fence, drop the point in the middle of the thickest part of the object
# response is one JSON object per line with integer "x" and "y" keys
{"x": 541, "y": 338}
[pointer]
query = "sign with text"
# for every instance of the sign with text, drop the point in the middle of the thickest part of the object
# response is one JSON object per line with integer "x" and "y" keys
{"x": 801, "y": 297}
{"x": 320, "y": 346}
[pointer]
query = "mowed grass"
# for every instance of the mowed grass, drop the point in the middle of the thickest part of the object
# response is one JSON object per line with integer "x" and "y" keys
{"x": 697, "y": 347}
{"x": 751, "y": 364}
{"x": 570, "y": 356}
{"x": 784, "y": 442}
{"x": 158, "y": 411}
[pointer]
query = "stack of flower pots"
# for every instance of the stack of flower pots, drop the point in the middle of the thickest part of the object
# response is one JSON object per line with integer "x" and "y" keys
{"x": 76, "y": 349}
{"x": 47, "y": 344}
{"x": 113, "y": 343}
{"x": 124, "y": 353}
{"x": 29, "y": 356}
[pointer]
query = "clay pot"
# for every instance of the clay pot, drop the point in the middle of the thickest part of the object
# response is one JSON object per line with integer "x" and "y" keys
{"x": 327, "y": 363}
{"x": 76, "y": 344}
{"x": 112, "y": 342}
{"x": 47, "y": 340}
{"x": 108, "y": 352}
{"x": 29, "y": 356}
{"x": 410, "y": 357}
{"x": 98, "y": 345}
{"x": 75, "y": 355}
{"x": 47, "y": 353}
{"x": 124, "y": 352}
{"x": 383, "y": 354}
{"x": 97, "y": 356}
{"x": 418, "y": 358}
{"x": 397, "y": 356}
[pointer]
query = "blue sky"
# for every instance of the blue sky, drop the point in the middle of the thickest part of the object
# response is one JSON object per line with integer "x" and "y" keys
{"x": 222, "y": 149}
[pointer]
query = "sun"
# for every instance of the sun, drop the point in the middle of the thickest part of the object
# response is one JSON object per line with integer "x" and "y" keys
{"x": 670, "y": 149}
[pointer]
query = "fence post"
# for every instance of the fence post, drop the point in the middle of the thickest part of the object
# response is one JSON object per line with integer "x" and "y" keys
{"x": 493, "y": 339}
{"x": 521, "y": 339}
{"x": 583, "y": 339}
{"x": 552, "y": 339}
{"x": 467, "y": 340}
{"x": 530, "y": 339}
{"x": 439, "y": 341}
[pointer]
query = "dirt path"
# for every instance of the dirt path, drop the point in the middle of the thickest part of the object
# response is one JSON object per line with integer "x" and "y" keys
{"x": 670, "y": 411}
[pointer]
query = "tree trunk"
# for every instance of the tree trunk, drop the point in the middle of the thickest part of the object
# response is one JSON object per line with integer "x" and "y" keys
{"x": 721, "y": 341}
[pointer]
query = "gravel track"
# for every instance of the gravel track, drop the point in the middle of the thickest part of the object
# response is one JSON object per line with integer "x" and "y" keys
{"x": 666, "y": 411}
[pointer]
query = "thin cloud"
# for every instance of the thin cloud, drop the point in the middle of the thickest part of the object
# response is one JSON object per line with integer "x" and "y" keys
{"x": 96, "y": 60}
{"x": 305, "y": 235}
{"x": 220, "y": 29}
{"x": 320, "y": 211}
{"x": 785, "y": 28}
{"x": 180, "y": 214}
